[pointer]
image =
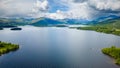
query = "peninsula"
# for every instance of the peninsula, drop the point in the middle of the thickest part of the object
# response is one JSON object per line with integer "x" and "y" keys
{"x": 7, "y": 47}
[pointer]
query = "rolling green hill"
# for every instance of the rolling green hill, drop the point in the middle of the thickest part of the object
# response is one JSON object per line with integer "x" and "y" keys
{"x": 110, "y": 27}
{"x": 18, "y": 21}
{"x": 45, "y": 22}
{"x": 22, "y": 21}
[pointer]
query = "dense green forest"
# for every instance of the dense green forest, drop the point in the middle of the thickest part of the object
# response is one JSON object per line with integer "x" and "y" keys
{"x": 110, "y": 27}
{"x": 113, "y": 52}
{"x": 7, "y": 47}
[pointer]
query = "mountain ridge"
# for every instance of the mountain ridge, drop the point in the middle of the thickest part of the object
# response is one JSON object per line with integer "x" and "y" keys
{"x": 47, "y": 21}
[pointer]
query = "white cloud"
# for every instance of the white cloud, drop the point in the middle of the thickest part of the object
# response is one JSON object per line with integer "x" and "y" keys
{"x": 82, "y": 9}
{"x": 113, "y": 5}
{"x": 14, "y": 8}
{"x": 58, "y": 15}
{"x": 76, "y": 10}
{"x": 91, "y": 9}
{"x": 40, "y": 6}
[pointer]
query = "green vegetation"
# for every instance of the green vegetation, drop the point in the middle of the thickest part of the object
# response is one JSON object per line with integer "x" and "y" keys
{"x": 7, "y": 47}
{"x": 112, "y": 27}
{"x": 113, "y": 52}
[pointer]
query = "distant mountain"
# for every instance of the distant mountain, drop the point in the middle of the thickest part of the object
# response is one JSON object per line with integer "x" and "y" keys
{"x": 51, "y": 22}
{"x": 14, "y": 21}
{"x": 109, "y": 26}
{"x": 45, "y": 22}
{"x": 74, "y": 21}
{"x": 88, "y": 22}
{"x": 104, "y": 19}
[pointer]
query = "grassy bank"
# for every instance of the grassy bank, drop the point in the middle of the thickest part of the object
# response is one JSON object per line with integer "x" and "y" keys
{"x": 7, "y": 47}
{"x": 113, "y": 52}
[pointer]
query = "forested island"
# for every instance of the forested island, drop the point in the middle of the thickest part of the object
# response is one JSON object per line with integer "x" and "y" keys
{"x": 109, "y": 27}
{"x": 61, "y": 25}
{"x": 1, "y": 28}
{"x": 113, "y": 52}
{"x": 7, "y": 47}
{"x": 16, "y": 28}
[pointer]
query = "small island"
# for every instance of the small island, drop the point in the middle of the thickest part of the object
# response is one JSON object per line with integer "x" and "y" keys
{"x": 61, "y": 25}
{"x": 7, "y": 47}
{"x": 16, "y": 28}
{"x": 113, "y": 52}
{"x": 1, "y": 28}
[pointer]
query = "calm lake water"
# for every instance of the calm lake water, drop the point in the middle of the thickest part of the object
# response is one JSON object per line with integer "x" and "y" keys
{"x": 55, "y": 47}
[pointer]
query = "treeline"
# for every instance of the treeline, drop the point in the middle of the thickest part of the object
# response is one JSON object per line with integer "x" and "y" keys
{"x": 113, "y": 52}
{"x": 7, "y": 47}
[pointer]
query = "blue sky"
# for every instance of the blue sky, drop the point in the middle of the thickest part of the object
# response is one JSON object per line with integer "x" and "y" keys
{"x": 59, "y": 9}
{"x": 56, "y": 5}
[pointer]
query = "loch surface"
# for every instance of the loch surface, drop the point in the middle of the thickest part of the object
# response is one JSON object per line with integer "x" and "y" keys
{"x": 57, "y": 47}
